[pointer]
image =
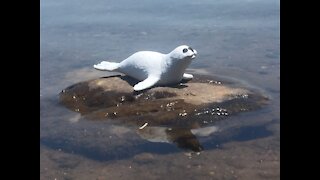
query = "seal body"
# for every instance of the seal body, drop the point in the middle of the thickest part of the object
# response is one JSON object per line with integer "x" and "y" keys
{"x": 154, "y": 68}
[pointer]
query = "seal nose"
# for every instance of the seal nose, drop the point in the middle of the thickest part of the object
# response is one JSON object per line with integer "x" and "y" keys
{"x": 195, "y": 52}
{"x": 194, "y": 55}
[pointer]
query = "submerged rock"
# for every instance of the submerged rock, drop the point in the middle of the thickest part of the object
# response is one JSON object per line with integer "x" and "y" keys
{"x": 161, "y": 114}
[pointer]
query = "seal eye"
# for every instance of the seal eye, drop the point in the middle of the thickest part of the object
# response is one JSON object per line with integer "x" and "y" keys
{"x": 184, "y": 50}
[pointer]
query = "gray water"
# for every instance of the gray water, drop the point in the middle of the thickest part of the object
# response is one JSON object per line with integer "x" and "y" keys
{"x": 235, "y": 39}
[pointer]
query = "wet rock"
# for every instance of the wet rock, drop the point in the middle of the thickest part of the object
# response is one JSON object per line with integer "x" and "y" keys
{"x": 197, "y": 103}
{"x": 177, "y": 114}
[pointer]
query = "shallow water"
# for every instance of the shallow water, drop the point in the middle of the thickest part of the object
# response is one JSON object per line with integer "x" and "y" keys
{"x": 236, "y": 40}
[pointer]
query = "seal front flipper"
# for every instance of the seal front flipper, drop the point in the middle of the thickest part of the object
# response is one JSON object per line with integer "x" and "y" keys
{"x": 106, "y": 66}
{"x": 147, "y": 83}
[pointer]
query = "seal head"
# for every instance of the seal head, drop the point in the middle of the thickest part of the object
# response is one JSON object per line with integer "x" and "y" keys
{"x": 183, "y": 52}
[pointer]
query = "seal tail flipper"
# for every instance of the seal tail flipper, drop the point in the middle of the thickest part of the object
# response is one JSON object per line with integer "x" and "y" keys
{"x": 106, "y": 66}
{"x": 147, "y": 83}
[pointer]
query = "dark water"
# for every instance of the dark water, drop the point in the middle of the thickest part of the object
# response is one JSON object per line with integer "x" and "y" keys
{"x": 238, "y": 40}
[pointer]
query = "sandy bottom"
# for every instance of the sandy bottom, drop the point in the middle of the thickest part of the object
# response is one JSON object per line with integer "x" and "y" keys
{"x": 254, "y": 159}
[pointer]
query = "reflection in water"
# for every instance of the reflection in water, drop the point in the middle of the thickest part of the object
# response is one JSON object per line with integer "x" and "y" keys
{"x": 101, "y": 141}
{"x": 184, "y": 138}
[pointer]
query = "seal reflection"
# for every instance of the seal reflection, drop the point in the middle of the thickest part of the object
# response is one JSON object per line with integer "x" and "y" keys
{"x": 184, "y": 138}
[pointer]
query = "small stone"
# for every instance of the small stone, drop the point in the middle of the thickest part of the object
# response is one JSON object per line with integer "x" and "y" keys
{"x": 182, "y": 114}
{"x": 143, "y": 126}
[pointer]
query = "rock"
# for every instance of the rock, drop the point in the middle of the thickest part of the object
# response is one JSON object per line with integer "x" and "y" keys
{"x": 113, "y": 98}
{"x": 177, "y": 114}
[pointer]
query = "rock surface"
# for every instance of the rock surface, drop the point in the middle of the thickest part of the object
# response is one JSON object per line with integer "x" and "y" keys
{"x": 194, "y": 104}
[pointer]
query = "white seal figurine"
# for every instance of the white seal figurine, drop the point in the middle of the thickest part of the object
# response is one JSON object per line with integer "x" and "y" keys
{"x": 154, "y": 68}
